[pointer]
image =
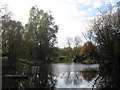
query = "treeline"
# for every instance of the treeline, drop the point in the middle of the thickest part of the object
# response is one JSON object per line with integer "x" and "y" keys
{"x": 35, "y": 41}
{"x": 76, "y": 52}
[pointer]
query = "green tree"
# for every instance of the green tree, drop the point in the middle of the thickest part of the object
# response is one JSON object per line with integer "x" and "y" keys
{"x": 11, "y": 38}
{"x": 40, "y": 33}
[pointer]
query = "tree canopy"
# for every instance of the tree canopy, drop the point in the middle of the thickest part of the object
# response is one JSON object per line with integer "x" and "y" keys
{"x": 106, "y": 33}
{"x": 34, "y": 41}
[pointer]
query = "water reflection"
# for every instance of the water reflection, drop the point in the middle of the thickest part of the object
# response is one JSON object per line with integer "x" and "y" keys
{"x": 38, "y": 77}
{"x": 76, "y": 79}
{"x": 88, "y": 75}
{"x": 55, "y": 76}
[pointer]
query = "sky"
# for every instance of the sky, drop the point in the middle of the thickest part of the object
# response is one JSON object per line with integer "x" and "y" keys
{"x": 72, "y": 16}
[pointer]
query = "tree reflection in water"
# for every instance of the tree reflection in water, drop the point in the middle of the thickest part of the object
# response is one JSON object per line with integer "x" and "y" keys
{"x": 43, "y": 77}
{"x": 73, "y": 77}
{"x": 81, "y": 79}
{"x": 37, "y": 78}
{"x": 88, "y": 75}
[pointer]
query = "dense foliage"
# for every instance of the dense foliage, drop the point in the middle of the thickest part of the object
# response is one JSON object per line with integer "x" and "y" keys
{"x": 34, "y": 42}
{"x": 105, "y": 31}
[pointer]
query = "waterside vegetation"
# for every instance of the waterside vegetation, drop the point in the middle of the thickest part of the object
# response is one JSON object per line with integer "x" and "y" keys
{"x": 34, "y": 43}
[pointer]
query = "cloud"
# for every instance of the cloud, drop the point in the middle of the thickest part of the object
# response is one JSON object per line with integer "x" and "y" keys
{"x": 97, "y": 4}
{"x": 112, "y": 2}
{"x": 90, "y": 9}
{"x": 70, "y": 15}
{"x": 84, "y": 2}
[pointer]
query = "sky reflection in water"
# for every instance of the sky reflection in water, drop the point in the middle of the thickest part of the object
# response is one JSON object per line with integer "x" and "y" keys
{"x": 75, "y": 75}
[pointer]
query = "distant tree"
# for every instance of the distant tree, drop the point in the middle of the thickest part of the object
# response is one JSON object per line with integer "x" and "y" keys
{"x": 85, "y": 48}
{"x": 69, "y": 41}
{"x": 73, "y": 46}
{"x": 77, "y": 41}
{"x": 88, "y": 47}
{"x": 77, "y": 45}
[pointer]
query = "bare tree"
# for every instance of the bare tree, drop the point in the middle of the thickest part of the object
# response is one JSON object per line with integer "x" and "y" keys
{"x": 69, "y": 41}
{"x": 77, "y": 43}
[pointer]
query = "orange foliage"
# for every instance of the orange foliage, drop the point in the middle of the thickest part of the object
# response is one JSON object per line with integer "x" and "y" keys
{"x": 85, "y": 48}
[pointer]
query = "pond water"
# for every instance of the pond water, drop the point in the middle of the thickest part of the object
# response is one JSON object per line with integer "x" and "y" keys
{"x": 56, "y": 75}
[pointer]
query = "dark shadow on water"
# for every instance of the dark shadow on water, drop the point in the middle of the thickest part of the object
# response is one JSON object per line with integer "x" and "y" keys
{"x": 88, "y": 75}
{"x": 38, "y": 77}
{"x": 109, "y": 76}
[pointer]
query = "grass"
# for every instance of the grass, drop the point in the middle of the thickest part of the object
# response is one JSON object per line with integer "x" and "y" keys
{"x": 63, "y": 59}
